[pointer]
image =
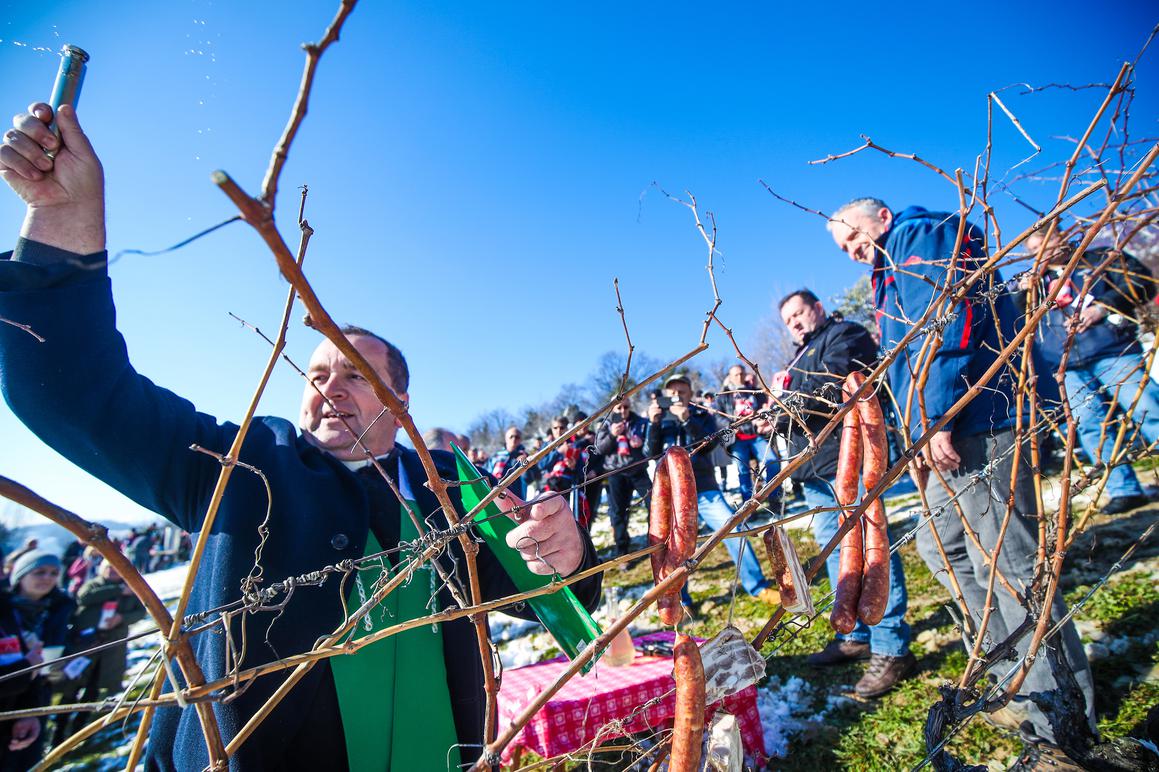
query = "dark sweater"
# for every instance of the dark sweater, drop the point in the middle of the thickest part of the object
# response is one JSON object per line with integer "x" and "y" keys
{"x": 829, "y": 353}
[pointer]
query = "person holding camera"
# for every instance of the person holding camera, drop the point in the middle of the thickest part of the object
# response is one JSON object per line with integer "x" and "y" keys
{"x": 674, "y": 420}
{"x": 620, "y": 442}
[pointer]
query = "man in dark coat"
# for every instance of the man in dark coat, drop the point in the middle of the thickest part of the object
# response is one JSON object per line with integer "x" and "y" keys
{"x": 914, "y": 256}
{"x": 620, "y": 441}
{"x": 326, "y": 505}
{"x": 829, "y": 348}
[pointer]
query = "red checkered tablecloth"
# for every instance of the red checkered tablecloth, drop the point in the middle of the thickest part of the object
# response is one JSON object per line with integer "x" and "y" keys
{"x": 588, "y": 705}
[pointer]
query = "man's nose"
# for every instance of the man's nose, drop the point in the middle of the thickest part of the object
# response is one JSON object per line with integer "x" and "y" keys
{"x": 332, "y": 386}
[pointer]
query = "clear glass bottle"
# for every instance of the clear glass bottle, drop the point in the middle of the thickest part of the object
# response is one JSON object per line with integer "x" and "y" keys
{"x": 622, "y": 651}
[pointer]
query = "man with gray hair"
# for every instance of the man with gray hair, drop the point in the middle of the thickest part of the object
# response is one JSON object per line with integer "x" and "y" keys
{"x": 917, "y": 261}
{"x": 439, "y": 438}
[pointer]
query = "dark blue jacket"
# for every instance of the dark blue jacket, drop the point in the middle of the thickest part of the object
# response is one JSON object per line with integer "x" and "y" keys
{"x": 918, "y": 263}
{"x": 78, "y": 392}
{"x": 1125, "y": 285}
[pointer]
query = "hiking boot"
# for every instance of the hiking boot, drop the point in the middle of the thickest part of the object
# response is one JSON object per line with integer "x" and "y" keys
{"x": 1009, "y": 718}
{"x": 1121, "y": 504}
{"x": 884, "y": 673}
{"x": 1042, "y": 756}
{"x": 769, "y": 596}
{"x": 838, "y": 652}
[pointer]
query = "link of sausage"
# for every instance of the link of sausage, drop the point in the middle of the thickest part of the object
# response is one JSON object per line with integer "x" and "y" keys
{"x": 660, "y": 520}
{"x": 688, "y": 723}
{"x": 659, "y": 532}
{"x": 682, "y": 542}
{"x": 672, "y": 522}
{"x": 843, "y": 617}
{"x": 875, "y": 461}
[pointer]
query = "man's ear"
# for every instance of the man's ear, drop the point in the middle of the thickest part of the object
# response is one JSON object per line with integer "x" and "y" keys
{"x": 886, "y": 217}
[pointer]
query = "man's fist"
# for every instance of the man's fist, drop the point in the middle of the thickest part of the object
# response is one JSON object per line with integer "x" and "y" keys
{"x": 24, "y": 733}
{"x": 65, "y": 194}
{"x": 547, "y": 538}
{"x": 1090, "y": 316}
{"x": 940, "y": 454}
{"x": 74, "y": 176}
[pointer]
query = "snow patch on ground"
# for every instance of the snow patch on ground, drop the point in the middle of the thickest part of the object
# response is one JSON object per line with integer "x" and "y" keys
{"x": 788, "y": 708}
{"x": 168, "y": 583}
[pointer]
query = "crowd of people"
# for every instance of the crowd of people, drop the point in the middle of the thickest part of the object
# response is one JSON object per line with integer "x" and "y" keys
{"x": 1105, "y": 376}
{"x": 328, "y": 502}
{"x": 75, "y": 608}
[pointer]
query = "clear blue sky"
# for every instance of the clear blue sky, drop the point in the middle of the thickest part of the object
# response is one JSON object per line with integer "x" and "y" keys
{"x": 488, "y": 168}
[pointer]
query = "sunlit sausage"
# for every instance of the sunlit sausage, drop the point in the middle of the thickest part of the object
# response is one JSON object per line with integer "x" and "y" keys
{"x": 688, "y": 723}
{"x": 843, "y": 617}
{"x": 875, "y": 461}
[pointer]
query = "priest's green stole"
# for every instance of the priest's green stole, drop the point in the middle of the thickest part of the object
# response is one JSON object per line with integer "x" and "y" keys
{"x": 392, "y": 694}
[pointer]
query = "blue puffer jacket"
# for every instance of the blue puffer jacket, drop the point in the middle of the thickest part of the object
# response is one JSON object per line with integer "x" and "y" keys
{"x": 917, "y": 265}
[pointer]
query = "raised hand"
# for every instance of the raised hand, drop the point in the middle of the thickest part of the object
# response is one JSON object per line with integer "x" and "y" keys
{"x": 65, "y": 193}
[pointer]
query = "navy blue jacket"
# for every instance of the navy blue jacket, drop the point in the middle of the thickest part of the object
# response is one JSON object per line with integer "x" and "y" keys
{"x": 1125, "y": 285}
{"x": 78, "y": 392}
{"x": 918, "y": 263}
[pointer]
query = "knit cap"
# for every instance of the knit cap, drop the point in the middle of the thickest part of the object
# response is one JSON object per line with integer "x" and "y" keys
{"x": 29, "y": 562}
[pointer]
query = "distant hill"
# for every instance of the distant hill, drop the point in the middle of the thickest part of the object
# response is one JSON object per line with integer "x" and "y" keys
{"x": 20, "y": 524}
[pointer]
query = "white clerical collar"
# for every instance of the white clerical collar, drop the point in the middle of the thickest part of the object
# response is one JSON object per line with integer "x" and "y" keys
{"x": 361, "y": 463}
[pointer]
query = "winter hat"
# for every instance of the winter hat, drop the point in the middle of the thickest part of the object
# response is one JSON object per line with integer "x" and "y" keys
{"x": 29, "y": 562}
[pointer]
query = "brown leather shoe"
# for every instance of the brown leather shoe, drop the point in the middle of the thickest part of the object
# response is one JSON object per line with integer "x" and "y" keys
{"x": 1042, "y": 756}
{"x": 1009, "y": 718}
{"x": 769, "y": 596}
{"x": 884, "y": 673}
{"x": 838, "y": 652}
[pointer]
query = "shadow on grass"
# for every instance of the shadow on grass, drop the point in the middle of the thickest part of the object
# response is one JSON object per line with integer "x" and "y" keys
{"x": 1104, "y": 541}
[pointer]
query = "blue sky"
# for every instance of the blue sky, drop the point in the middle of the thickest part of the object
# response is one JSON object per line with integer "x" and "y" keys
{"x": 479, "y": 173}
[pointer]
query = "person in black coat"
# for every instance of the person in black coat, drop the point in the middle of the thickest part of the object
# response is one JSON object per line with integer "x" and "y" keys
{"x": 38, "y": 611}
{"x": 677, "y": 421}
{"x": 105, "y": 607}
{"x": 829, "y": 349}
{"x": 323, "y": 506}
{"x": 620, "y": 441}
{"x": 20, "y": 740}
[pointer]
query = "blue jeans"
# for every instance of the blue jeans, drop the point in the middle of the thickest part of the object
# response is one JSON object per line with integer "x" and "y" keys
{"x": 715, "y": 512}
{"x": 1093, "y": 390}
{"x": 759, "y": 450}
{"x": 890, "y": 636}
